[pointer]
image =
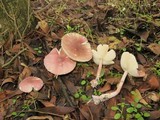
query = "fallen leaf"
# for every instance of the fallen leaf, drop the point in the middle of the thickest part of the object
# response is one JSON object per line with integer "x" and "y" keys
{"x": 85, "y": 112}
{"x": 105, "y": 88}
{"x": 25, "y": 73}
{"x": 71, "y": 87}
{"x": 40, "y": 118}
{"x": 110, "y": 113}
{"x": 7, "y": 80}
{"x": 57, "y": 110}
{"x": 144, "y": 35}
{"x": 154, "y": 82}
{"x": 44, "y": 26}
{"x": 95, "y": 110}
{"x": 15, "y": 49}
{"x": 1, "y": 73}
{"x": 137, "y": 96}
{"x": 141, "y": 58}
{"x": 155, "y": 48}
{"x": 113, "y": 80}
{"x": 154, "y": 115}
{"x": 153, "y": 96}
{"x": 47, "y": 103}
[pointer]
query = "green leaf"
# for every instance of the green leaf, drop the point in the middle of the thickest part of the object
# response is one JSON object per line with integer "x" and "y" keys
{"x": 83, "y": 82}
{"x": 76, "y": 95}
{"x": 146, "y": 114}
{"x": 139, "y": 105}
{"x": 84, "y": 98}
{"x": 115, "y": 108}
{"x": 141, "y": 118}
{"x": 22, "y": 115}
{"x": 117, "y": 116}
{"x": 14, "y": 113}
{"x": 138, "y": 115}
{"x": 133, "y": 92}
{"x": 130, "y": 110}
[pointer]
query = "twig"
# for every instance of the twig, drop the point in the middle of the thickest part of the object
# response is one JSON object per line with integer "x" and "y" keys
{"x": 65, "y": 92}
{"x": 11, "y": 60}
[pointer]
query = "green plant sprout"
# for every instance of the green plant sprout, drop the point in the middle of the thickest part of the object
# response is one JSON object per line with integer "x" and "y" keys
{"x": 38, "y": 50}
{"x": 115, "y": 74}
{"x": 72, "y": 29}
{"x": 156, "y": 68}
{"x": 80, "y": 94}
{"x": 133, "y": 110}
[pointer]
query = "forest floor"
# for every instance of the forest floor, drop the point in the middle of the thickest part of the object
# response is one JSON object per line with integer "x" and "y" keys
{"x": 125, "y": 25}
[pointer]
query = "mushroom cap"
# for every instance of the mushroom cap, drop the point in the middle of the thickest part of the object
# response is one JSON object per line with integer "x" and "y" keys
{"x": 129, "y": 63}
{"x": 58, "y": 63}
{"x": 76, "y": 47}
{"x": 103, "y": 54}
{"x": 30, "y": 83}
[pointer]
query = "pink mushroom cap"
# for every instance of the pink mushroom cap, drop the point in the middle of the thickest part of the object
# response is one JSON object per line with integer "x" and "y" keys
{"x": 76, "y": 47}
{"x": 30, "y": 83}
{"x": 58, "y": 63}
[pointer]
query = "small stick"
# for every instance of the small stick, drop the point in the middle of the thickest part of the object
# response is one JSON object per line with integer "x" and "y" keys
{"x": 11, "y": 60}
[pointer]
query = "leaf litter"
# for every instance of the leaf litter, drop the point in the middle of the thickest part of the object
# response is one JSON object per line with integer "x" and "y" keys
{"x": 102, "y": 22}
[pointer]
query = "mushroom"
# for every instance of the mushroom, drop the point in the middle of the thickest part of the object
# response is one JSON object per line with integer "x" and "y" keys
{"x": 102, "y": 57}
{"x": 58, "y": 63}
{"x": 30, "y": 83}
{"x": 129, "y": 65}
{"x": 76, "y": 47}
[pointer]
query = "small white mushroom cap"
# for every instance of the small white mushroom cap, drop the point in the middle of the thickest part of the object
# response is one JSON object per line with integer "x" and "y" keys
{"x": 58, "y": 63}
{"x": 103, "y": 54}
{"x": 76, "y": 47}
{"x": 129, "y": 63}
{"x": 30, "y": 83}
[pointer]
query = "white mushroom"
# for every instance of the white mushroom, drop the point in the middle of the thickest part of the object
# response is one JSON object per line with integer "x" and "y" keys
{"x": 102, "y": 57}
{"x": 129, "y": 65}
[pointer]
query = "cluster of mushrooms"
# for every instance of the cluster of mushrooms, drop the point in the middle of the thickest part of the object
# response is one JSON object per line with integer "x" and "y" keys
{"x": 75, "y": 47}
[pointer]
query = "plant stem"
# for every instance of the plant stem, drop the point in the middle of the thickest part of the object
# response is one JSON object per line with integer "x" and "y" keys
{"x": 107, "y": 96}
{"x": 12, "y": 59}
{"x": 99, "y": 70}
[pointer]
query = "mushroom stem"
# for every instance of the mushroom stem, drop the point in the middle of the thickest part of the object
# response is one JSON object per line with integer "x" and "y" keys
{"x": 99, "y": 70}
{"x": 107, "y": 96}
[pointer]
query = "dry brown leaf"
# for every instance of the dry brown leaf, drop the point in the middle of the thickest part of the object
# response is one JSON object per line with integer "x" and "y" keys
{"x": 47, "y": 103}
{"x": 57, "y": 110}
{"x": 71, "y": 87}
{"x": 153, "y": 96}
{"x": 85, "y": 112}
{"x": 154, "y": 115}
{"x": 1, "y": 73}
{"x": 40, "y": 118}
{"x": 137, "y": 95}
{"x": 44, "y": 26}
{"x": 25, "y": 73}
{"x": 144, "y": 35}
{"x": 95, "y": 110}
{"x": 7, "y": 80}
{"x": 113, "y": 80}
{"x": 154, "y": 82}
{"x": 110, "y": 113}
{"x": 155, "y": 48}
{"x": 15, "y": 49}
{"x": 105, "y": 88}
{"x": 141, "y": 58}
